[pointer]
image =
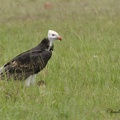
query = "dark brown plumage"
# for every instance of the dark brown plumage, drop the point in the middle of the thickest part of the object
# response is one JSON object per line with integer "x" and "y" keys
{"x": 29, "y": 62}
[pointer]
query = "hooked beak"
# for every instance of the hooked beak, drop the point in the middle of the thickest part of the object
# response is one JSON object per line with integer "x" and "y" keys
{"x": 60, "y": 38}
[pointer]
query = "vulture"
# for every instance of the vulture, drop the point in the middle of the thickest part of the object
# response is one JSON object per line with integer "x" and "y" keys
{"x": 26, "y": 65}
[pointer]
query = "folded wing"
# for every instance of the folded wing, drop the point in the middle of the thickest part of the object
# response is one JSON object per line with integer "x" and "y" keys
{"x": 26, "y": 64}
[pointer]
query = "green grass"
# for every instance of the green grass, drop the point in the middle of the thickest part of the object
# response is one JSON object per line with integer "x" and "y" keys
{"x": 83, "y": 75}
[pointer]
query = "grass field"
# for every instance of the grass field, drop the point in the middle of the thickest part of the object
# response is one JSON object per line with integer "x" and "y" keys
{"x": 83, "y": 75}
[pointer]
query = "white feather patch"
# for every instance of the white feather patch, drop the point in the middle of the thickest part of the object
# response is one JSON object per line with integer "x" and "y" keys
{"x": 30, "y": 80}
{"x": 2, "y": 69}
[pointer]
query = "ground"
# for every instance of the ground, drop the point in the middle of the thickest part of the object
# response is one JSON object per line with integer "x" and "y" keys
{"x": 82, "y": 77}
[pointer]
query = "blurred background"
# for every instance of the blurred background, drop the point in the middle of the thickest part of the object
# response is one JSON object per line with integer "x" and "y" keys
{"x": 82, "y": 77}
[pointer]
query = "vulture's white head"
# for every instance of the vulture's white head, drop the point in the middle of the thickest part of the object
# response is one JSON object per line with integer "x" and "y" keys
{"x": 52, "y": 36}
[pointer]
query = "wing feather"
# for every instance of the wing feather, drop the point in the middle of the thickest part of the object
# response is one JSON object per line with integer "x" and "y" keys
{"x": 27, "y": 63}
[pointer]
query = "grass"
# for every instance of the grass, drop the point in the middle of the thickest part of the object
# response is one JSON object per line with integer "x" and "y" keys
{"x": 83, "y": 75}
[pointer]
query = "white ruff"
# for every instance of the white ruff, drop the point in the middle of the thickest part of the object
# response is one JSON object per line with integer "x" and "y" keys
{"x": 30, "y": 80}
{"x": 51, "y": 43}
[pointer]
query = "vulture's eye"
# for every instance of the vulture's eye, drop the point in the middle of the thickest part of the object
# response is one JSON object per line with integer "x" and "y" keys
{"x": 53, "y": 34}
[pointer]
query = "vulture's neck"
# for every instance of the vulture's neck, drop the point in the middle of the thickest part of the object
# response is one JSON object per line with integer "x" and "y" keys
{"x": 46, "y": 44}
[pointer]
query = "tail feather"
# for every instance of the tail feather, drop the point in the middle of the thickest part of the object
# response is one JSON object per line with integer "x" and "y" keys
{"x": 2, "y": 69}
